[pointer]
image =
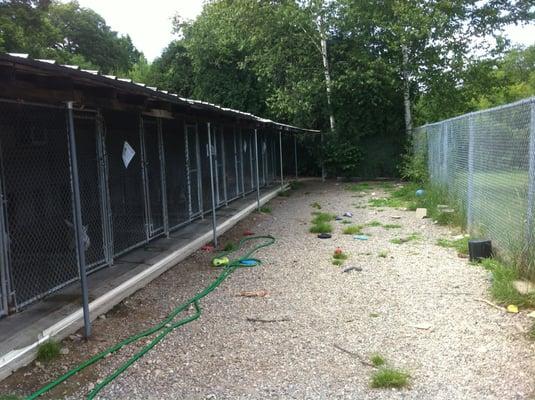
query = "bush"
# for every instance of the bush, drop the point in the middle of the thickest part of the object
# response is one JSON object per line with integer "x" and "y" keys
{"x": 413, "y": 168}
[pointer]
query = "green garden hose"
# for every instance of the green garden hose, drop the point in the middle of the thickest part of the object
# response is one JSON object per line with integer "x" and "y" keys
{"x": 164, "y": 327}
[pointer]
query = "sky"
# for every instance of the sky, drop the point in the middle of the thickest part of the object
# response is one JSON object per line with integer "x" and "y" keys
{"x": 150, "y": 26}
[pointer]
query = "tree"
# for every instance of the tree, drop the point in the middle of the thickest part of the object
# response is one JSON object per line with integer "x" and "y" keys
{"x": 66, "y": 33}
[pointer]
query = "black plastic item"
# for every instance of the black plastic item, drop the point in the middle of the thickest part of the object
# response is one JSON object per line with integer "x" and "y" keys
{"x": 479, "y": 249}
{"x": 324, "y": 236}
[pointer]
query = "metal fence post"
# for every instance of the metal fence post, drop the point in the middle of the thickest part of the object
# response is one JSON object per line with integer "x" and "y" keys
{"x": 210, "y": 153}
{"x": 256, "y": 169}
{"x": 199, "y": 177}
{"x": 242, "y": 161}
{"x": 222, "y": 152}
{"x": 322, "y": 158}
{"x": 163, "y": 181}
{"x": 280, "y": 156}
{"x": 188, "y": 172}
{"x": 445, "y": 143}
{"x": 530, "y": 235}
{"x": 77, "y": 216}
{"x": 103, "y": 174}
{"x": 144, "y": 179}
{"x": 295, "y": 155}
{"x": 470, "y": 191}
{"x": 235, "y": 136}
{"x": 4, "y": 258}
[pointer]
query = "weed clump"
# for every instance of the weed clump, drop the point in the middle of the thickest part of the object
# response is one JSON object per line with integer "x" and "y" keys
{"x": 461, "y": 245}
{"x": 390, "y": 378}
{"x": 48, "y": 351}
{"x": 412, "y": 237}
{"x": 502, "y": 289}
{"x": 377, "y": 360}
{"x": 321, "y": 222}
{"x": 265, "y": 210}
{"x": 352, "y": 230}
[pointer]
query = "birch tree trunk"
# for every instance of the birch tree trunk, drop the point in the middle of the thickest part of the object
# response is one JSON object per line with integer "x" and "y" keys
{"x": 406, "y": 90}
{"x": 326, "y": 71}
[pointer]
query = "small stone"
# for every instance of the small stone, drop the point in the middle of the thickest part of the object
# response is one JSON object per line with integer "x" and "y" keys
{"x": 421, "y": 213}
{"x": 524, "y": 287}
{"x": 103, "y": 316}
{"x": 396, "y": 217}
{"x": 64, "y": 351}
{"x": 531, "y": 314}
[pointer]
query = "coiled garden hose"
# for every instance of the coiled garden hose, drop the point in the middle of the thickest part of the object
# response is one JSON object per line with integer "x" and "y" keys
{"x": 167, "y": 325}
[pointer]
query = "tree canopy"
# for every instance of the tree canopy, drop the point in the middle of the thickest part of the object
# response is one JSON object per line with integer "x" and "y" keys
{"x": 64, "y": 32}
{"x": 371, "y": 66}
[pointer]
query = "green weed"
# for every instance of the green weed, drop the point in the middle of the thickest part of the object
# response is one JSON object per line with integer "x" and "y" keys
{"x": 316, "y": 205}
{"x": 337, "y": 262}
{"x": 230, "y": 246}
{"x": 48, "y": 351}
{"x": 461, "y": 245}
{"x": 374, "y": 223}
{"x": 390, "y": 378}
{"x": 383, "y": 254}
{"x": 410, "y": 238}
{"x": 284, "y": 193}
{"x": 391, "y": 226}
{"x": 359, "y": 187}
{"x": 265, "y": 210}
{"x": 352, "y": 230}
{"x": 502, "y": 289}
{"x": 377, "y": 360}
{"x": 321, "y": 227}
{"x": 321, "y": 222}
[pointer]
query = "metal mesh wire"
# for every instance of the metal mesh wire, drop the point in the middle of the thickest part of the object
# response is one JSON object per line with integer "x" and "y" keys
{"x": 91, "y": 190}
{"x": 484, "y": 161}
{"x": 37, "y": 189}
{"x": 231, "y": 171}
{"x": 125, "y": 184}
{"x": 153, "y": 175}
{"x": 175, "y": 173}
{"x": 132, "y": 171}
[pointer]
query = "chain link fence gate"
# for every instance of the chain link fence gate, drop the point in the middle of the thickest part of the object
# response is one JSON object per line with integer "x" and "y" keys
{"x": 486, "y": 162}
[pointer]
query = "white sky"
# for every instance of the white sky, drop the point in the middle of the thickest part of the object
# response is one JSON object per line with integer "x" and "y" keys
{"x": 149, "y": 23}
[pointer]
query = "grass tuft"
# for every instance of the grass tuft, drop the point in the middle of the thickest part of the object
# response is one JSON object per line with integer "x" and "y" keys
{"x": 377, "y": 360}
{"x": 461, "y": 245}
{"x": 316, "y": 205}
{"x": 230, "y": 246}
{"x": 352, "y": 230}
{"x": 285, "y": 193}
{"x": 383, "y": 254}
{"x": 374, "y": 223}
{"x": 48, "y": 351}
{"x": 337, "y": 262}
{"x": 321, "y": 222}
{"x": 392, "y": 226}
{"x": 502, "y": 289}
{"x": 410, "y": 238}
{"x": 265, "y": 210}
{"x": 390, "y": 378}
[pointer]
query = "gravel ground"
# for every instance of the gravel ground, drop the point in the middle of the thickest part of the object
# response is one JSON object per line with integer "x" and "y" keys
{"x": 469, "y": 351}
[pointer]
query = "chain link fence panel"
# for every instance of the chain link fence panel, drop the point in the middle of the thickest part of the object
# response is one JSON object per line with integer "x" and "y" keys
{"x": 486, "y": 162}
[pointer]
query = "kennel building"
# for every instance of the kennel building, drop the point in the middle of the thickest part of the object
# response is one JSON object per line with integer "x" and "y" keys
{"x": 93, "y": 166}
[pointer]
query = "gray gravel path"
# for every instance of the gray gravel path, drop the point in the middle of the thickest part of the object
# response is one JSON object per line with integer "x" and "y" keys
{"x": 469, "y": 351}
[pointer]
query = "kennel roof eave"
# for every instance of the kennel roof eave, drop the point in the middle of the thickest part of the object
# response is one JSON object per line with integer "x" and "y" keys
{"x": 96, "y": 79}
